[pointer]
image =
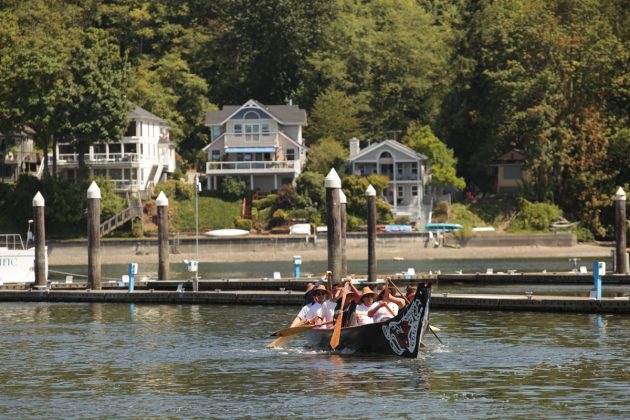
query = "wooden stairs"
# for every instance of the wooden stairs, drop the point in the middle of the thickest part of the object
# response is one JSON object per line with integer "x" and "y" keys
{"x": 133, "y": 211}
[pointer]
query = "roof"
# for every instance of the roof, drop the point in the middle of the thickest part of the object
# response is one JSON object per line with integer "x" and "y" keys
{"x": 392, "y": 144}
{"x": 513, "y": 156}
{"x": 285, "y": 114}
{"x": 144, "y": 115}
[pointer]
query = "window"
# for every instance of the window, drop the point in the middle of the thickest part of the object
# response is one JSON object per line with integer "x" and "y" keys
{"x": 251, "y": 115}
{"x": 290, "y": 154}
{"x": 414, "y": 190}
{"x": 414, "y": 170}
{"x": 399, "y": 169}
{"x": 265, "y": 129}
{"x": 252, "y": 132}
{"x": 401, "y": 192}
{"x": 130, "y": 148}
{"x": 512, "y": 171}
{"x": 131, "y": 129}
{"x": 216, "y": 155}
{"x": 238, "y": 129}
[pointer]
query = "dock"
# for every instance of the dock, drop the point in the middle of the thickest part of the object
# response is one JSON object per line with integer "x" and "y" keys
{"x": 290, "y": 291}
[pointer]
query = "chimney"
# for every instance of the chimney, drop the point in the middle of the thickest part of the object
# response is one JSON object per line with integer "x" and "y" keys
{"x": 355, "y": 146}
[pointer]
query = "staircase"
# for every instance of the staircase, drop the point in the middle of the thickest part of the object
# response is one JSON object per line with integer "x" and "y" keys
{"x": 133, "y": 211}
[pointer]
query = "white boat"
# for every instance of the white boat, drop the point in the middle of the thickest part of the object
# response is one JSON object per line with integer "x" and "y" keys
{"x": 227, "y": 233}
{"x": 17, "y": 261}
{"x": 300, "y": 229}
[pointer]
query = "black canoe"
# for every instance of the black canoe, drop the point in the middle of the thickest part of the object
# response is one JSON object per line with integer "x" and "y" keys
{"x": 398, "y": 336}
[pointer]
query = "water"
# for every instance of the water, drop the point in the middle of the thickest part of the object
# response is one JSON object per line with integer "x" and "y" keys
{"x": 258, "y": 269}
{"x": 210, "y": 361}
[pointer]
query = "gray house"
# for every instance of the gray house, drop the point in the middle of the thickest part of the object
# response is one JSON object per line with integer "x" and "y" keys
{"x": 261, "y": 144}
{"x": 407, "y": 170}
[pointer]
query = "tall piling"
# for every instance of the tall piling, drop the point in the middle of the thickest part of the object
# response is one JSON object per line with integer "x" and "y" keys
{"x": 333, "y": 222}
{"x": 344, "y": 226}
{"x": 370, "y": 194}
{"x": 163, "y": 251}
{"x": 41, "y": 271}
{"x": 94, "y": 236}
{"x": 621, "y": 266}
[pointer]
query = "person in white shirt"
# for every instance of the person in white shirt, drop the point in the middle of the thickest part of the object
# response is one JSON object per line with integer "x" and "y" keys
{"x": 301, "y": 316}
{"x": 386, "y": 308}
{"x": 361, "y": 313}
{"x": 322, "y": 311}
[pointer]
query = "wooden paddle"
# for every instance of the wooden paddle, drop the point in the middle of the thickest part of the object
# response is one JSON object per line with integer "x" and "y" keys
{"x": 334, "y": 340}
{"x": 433, "y": 329}
{"x": 292, "y": 330}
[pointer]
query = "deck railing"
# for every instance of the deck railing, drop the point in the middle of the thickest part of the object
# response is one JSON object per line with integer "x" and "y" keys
{"x": 250, "y": 165}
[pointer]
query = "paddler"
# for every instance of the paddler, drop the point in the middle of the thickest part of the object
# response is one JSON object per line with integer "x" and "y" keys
{"x": 321, "y": 311}
{"x": 308, "y": 302}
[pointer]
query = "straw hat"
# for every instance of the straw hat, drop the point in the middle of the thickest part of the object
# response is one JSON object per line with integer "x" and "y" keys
{"x": 348, "y": 293}
{"x": 367, "y": 291}
{"x": 309, "y": 287}
{"x": 320, "y": 288}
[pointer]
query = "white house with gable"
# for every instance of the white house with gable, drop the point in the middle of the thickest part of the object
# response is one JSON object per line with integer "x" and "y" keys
{"x": 407, "y": 170}
{"x": 260, "y": 144}
{"x": 135, "y": 163}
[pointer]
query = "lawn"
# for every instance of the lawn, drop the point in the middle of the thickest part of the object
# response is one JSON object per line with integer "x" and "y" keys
{"x": 213, "y": 214}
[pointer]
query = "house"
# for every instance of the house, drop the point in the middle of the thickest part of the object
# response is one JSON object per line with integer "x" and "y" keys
{"x": 135, "y": 163}
{"x": 507, "y": 172}
{"x": 260, "y": 144}
{"x": 18, "y": 156}
{"x": 407, "y": 170}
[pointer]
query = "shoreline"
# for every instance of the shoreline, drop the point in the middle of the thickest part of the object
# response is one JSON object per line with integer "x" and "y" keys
{"x": 78, "y": 255}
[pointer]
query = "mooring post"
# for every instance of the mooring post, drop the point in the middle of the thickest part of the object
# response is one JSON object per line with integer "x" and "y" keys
{"x": 344, "y": 226}
{"x": 94, "y": 236}
{"x": 41, "y": 274}
{"x": 333, "y": 222}
{"x": 132, "y": 270}
{"x": 370, "y": 194}
{"x": 599, "y": 270}
{"x": 621, "y": 267}
{"x": 163, "y": 252}
{"x": 297, "y": 266}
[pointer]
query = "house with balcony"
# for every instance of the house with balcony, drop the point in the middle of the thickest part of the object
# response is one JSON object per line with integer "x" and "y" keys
{"x": 260, "y": 144}
{"x": 135, "y": 163}
{"x": 407, "y": 170}
{"x": 18, "y": 156}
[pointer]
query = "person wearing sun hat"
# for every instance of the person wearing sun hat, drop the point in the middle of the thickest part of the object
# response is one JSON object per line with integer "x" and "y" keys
{"x": 301, "y": 316}
{"x": 367, "y": 299}
{"x": 386, "y": 308}
{"x": 352, "y": 298}
{"x": 321, "y": 311}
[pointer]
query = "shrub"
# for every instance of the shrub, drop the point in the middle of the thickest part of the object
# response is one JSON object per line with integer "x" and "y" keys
{"x": 244, "y": 224}
{"x": 353, "y": 222}
{"x": 265, "y": 202}
{"x": 535, "y": 216}
{"x": 440, "y": 211}
{"x": 232, "y": 188}
{"x": 402, "y": 220}
{"x": 279, "y": 218}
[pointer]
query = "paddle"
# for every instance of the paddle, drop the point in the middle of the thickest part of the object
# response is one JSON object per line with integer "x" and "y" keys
{"x": 433, "y": 329}
{"x": 292, "y": 330}
{"x": 334, "y": 340}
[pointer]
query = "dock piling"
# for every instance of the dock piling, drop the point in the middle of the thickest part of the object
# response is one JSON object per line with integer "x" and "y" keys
{"x": 41, "y": 274}
{"x": 94, "y": 236}
{"x": 333, "y": 222}
{"x": 344, "y": 225}
{"x": 621, "y": 266}
{"x": 163, "y": 251}
{"x": 370, "y": 194}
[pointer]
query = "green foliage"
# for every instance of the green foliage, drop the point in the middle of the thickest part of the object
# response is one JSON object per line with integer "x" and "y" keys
{"x": 265, "y": 202}
{"x": 353, "y": 222}
{"x": 175, "y": 190}
{"x": 460, "y": 213}
{"x": 279, "y": 218}
{"x": 310, "y": 185}
{"x": 354, "y": 187}
{"x": 334, "y": 116}
{"x": 287, "y": 198}
{"x": 443, "y": 162}
{"x": 402, "y": 220}
{"x": 214, "y": 213}
{"x": 245, "y": 224}
{"x": 328, "y": 153}
{"x": 232, "y": 188}
{"x": 535, "y": 216}
{"x": 440, "y": 212}
{"x": 111, "y": 203}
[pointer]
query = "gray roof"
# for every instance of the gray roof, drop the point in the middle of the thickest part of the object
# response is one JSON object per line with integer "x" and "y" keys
{"x": 392, "y": 143}
{"x": 144, "y": 115}
{"x": 286, "y": 114}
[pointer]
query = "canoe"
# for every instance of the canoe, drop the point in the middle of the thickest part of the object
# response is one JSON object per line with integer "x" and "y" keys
{"x": 443, "y": 226}
{"x": 227, "y": 232}
{"x": 398, "y": 336}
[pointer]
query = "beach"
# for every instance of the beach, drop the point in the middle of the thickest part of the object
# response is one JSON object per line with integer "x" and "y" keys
{"x": 77, "y": 255}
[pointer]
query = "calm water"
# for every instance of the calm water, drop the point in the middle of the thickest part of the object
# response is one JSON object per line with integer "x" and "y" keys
{"x": 260, "y": 269}
{"x": 114, "y": 360}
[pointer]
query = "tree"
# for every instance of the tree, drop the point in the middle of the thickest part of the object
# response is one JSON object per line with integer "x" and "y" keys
{"x": 97, "y": 104}
{"x": 441, "y": 158}
{"x": 328, "y": 153}
{"x": 333, "y": 115}
{"x": 310, "y": 185}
